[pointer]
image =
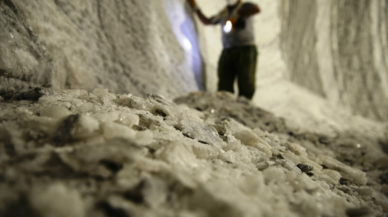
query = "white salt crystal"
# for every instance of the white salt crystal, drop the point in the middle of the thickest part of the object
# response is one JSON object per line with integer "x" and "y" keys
{"x": 57, "y": 200}
{"x": 204, "y": 151}
{"x": 297, "y": 149}
{"x": 250, "y": 139}
{"x": 85, "y": 107}
{"x": 334, "y": 175}
{"x": 292, "y": 157}
{"x": 129, "y": 119}
{"x": 234, "y": 146}
{"x": 274, "y": 174}
{"x": 76, "y": 93}
{"x": 352, "y": 174}
{"x": 144, "y": 137}
{"x": 155, "y": 192}
{"x": 228, "y": 156}
{"x": 57, "y": 112}
{"x": 104, "y": 117}
{"x": 113, "y": 130}
{"x": 86, "y": 127}
{"x": 178, "y": 155}
{"x": 100, "y": 92}
{"x": 23, "y": 111}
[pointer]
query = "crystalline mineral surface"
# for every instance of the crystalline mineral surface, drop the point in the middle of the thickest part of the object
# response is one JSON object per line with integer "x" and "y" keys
{"x": 100, "y": 154}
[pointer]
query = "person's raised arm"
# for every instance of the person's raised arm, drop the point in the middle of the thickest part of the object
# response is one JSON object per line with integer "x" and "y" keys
{"x": 249, "y": 10}
{"x": 205, "y": 20}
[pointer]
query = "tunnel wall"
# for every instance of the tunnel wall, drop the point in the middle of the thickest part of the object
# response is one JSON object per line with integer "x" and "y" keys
{"x": 133, "y": 46}
{"x": 338, "y": 49}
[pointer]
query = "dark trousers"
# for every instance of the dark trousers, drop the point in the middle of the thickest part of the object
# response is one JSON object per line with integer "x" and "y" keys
{"x": 240, "y": 63}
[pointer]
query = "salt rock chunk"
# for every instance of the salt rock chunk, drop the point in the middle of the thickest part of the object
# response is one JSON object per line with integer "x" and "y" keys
{"x": 104, "y": 117}
{"x": 259, "y": 132}
{"x": 314, "y": 164}
{"x": 262, "y": 165}
{"x": 56, "y": 112}
{"x": 150, "y": 165}
{"x": 45, "y": 124}
{"x": 213, "y": 195}
{"x": 85, "y": 107}
{"x": 235, "y": 146}
{"x": 178, "y": 155}
{"x": 382, "y": 162}
{"x": 290, "y": 166}
{"x": 23, "y": 111}
{"x": 144, "y": 137}
{"x": 103, "y": 159}
{"x": 383, "y": 203}
{"x": 129, "y": 119}
{"x": 366, "y": 191}
{"x": 297, "y": 149}
{"x": 250, "y": 139}
{"x": 76, "y": 93}
{"x": 199, "y": 131}
{"x": 85, "y": 127}
{"x": 334, "y": 175}
{"x": 113, "y": 130}
{"x": 57, "y": 200}
{"x": 274, "y": 174}
{"x": 352, "y": 174}
{"x": 100, "y": 92}
{"x": 292, "y": 157}
{"x": 76, "y": 102}
{"x": 155, "y": 192}
{"x": 136, "y": 103}
{"x": 204, "y": 151}
{"x": 228, "y": 156}
{"x": 247, "y": 137}
{"x": 304, "y": 182}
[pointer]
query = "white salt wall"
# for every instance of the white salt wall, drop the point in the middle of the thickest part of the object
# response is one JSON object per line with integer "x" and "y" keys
{"x": 338, "y": 49}
{"x": 126, "y": 46}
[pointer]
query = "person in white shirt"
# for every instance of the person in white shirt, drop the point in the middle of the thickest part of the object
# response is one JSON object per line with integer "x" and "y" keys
{"x": 239, "y": 56}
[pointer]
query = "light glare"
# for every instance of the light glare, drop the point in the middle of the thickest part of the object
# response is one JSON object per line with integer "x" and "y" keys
{"x": 187, "y": 44}
{"x": 228, "y": 26}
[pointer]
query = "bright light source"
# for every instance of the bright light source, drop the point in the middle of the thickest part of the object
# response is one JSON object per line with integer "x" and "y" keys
{"x": 228, "y": 26}
{"x": 187, "y": 44}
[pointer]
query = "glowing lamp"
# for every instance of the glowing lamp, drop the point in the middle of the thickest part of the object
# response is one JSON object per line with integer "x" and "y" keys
{"x": 228, "y": 26}
{"x": 187, "y": 45}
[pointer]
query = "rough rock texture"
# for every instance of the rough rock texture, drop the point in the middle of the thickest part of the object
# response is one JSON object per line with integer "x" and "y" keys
{"x": 100, "y": 154}
{"x": 82, "y": 153}
{"x": 23, "y": 61}
{"x": 126, "y": 46}
{"x": 338, "y": 49}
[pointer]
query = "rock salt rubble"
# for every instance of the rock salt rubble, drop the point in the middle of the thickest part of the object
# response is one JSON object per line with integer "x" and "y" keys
{"x": 100, "y": 154}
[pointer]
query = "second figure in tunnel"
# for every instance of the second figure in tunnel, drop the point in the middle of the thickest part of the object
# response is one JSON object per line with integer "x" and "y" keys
{"x": 239, "y": 55}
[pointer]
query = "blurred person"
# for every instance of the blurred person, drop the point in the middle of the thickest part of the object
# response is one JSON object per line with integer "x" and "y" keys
{"x": 239, "y": 54}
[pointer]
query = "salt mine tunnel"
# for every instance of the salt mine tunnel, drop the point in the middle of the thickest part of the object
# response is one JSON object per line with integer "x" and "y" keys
{"x": 111, "y": 109}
